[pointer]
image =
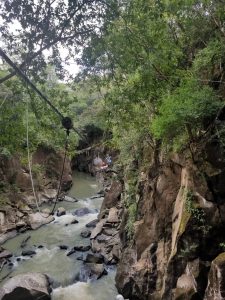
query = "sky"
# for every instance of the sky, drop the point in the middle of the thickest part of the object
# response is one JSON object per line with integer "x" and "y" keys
{"x": 71, "y": 66}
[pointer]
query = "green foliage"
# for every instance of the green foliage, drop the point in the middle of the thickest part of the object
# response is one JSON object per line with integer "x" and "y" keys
{"x": 132, "y": 212}
{"x": 196, "y": 212}
{"x": 158, "y": 61}
{"x": 185, "y": 110}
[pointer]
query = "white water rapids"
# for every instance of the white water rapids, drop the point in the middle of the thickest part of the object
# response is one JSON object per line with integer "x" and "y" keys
{"x": 53, "y": 261}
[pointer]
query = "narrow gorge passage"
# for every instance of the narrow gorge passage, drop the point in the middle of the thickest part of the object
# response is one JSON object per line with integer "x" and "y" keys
{"x": 50, "y": 259}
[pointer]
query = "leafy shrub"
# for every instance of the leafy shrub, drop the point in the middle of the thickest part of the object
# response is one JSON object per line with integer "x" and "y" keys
{"x": 184, "y": 110}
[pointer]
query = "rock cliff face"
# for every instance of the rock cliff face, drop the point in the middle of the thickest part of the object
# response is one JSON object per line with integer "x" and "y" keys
{"x": 176, "y": 251}
{"x": 16, "y": 196}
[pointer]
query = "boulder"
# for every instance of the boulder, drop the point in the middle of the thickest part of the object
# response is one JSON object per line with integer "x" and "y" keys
{"x": 60, "y": 211}
{"x": 63, "y": 247}
{"x": 36, "y": 220}
{"x": 85, "y": 233}
{"x": 29, "y": 286}
{"x": 216, "y": 279}
{"x": 84, "y": 211}
{"x": 74, "y": 222}
{"x": 70, "y": 199}
{"x": 82, "y": 248}
{"x": 92, "y": 271}
{"x": 72, "y": 251}
{"x": 92, "y": 224}
{"x": 94, "y": 258}
{"x": 28, "y": 252}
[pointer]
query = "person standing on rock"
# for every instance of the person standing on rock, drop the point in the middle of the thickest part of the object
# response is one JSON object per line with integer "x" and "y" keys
{"x": 108, "y": 159}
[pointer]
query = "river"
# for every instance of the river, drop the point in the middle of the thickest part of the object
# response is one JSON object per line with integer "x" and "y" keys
{"x": 53, "y": 261}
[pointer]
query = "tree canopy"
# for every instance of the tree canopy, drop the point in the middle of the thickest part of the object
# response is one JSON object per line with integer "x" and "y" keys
{"x": 150, "y": 70}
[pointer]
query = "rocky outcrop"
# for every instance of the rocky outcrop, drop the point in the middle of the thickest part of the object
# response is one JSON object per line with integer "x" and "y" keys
{"x": 29, "y": 286}
{"x": 104, "y": 237}
{"x": 16, "y": 197}
{"x": 216, "y": 279}
{"x": 175, "y": 236}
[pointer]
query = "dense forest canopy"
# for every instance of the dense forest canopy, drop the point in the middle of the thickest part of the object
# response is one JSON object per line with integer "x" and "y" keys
{"x": 151, "y": 71}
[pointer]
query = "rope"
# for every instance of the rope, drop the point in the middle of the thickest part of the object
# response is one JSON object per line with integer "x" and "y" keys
{"x": 30, "y": 166}
{"x": 28, "y": 156}
{"x": 61, "y": 176}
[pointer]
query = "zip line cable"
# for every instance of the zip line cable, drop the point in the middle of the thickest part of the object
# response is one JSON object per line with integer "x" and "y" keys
{"x": 41, "y": 95}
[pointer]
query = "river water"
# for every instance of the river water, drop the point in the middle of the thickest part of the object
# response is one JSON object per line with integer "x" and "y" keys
{"x": 53, "y": 261}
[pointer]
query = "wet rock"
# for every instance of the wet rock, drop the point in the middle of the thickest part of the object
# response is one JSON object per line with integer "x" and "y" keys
{"x": 96, "y": 196}
{"x": 10, "y": 264}
{"x": 60, "y": 211}
{"x": 70, "y": 199}
{"x": 18, "y": 259}
{"x": 63, "y": 247}
{"x": 84, "y": 211}
{"x": 92, "y": 271}
{"x": 72, "y": 251}
{"x": 36, "y": 220}
{"x": 85, "y": 233}
{"x": 29, "y": 286}
{"x": 82, "y": 248}
{"x": 28, "y": 252}
{"x": 94, "y": 258}
{"x": 74, "y": 222}
{"x": 40, "y": 246}
{"x": 92, "y": 224}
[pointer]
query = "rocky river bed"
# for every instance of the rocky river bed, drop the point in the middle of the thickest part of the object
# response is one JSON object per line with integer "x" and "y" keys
{"x": 51, "y": 249}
